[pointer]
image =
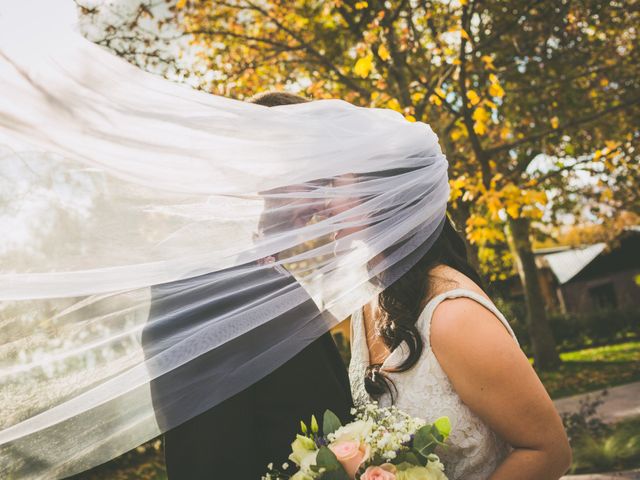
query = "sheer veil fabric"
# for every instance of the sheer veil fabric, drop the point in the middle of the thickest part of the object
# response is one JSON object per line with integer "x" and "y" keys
{"x": 121, "y": 191}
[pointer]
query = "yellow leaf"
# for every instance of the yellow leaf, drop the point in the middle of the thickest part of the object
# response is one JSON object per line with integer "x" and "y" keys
{"x": 480, "y": 128}
{"x": 493, "y": 78}
{"x": 494, "y": 205}
{"x": 473, "y": 97}
{"x": 555, "y": 122}
{"x": 456, "y": 134}
{"x": 611, "y": 145}
{"x": 417, "y": 96}
{"x": 459, "y": 182}
{"x": 361, "y": 5}
{"x": 411, "y": 118}
{"x": 604, "y": 82}
{"x": 597, "y": 155}
{"x": 513, "y": 210}
{"x": 364, "y": 66}
{"x": 435, "y": 99}
{"x": 464, "y": 34}
{"x": 393, "y": 104}
{"x": 456, "y": 61}
{"x": 480, "y": 115}
{"x": 495, "y": 90}
{"x": 181, "y": 3}
{"x": 464, "y": 2}
{"x": 383, "y": 52}
{"x": 490, "y": 104}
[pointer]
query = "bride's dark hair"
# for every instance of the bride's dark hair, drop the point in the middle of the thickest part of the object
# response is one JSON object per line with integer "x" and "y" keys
{"x": 401, "y": 303}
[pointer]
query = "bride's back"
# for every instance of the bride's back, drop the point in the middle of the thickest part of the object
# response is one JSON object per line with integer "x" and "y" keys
{"x": 425, "y": 390}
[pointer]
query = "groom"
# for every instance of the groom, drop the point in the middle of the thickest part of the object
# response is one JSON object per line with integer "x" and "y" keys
{"x": 237, "y": 438}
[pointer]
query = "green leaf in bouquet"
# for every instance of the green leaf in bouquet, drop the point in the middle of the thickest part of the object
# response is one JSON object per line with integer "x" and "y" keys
{"x": 333, "y": 469}
{"x": 330, "y": 422}
{"x": 426, "y": 439}
{"x": 444, "y": 426}
{"x": 409, "y": 457}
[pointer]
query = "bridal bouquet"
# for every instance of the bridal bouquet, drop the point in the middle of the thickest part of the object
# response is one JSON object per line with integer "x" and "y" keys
{"x": 380, "y": 444}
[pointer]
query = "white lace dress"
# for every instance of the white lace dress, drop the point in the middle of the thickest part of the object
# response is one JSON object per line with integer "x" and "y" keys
{"x": 425, "y": 391}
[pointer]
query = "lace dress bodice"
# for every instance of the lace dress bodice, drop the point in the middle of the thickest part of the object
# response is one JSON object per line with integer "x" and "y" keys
{"x": 425, "y": 391}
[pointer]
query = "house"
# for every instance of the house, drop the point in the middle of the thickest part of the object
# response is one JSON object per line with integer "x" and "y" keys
{"x": 599, "y": 276}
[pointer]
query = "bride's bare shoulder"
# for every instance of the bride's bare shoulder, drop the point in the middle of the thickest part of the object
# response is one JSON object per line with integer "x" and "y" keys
{"x": 444, "y": 278}
{"x": 458, "y": 317}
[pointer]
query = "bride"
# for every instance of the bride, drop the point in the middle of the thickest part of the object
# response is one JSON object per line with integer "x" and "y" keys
{"x": 433, "y": 344}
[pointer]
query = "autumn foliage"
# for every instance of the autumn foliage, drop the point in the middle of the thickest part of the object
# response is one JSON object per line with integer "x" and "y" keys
{"x": 536, "y": 103}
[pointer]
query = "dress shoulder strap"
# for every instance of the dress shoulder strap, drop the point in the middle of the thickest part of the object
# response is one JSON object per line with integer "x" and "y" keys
{"x": 424, "y": 321}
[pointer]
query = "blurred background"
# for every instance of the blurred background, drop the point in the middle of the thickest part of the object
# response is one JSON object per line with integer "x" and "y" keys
{"x": 537, "y": 106}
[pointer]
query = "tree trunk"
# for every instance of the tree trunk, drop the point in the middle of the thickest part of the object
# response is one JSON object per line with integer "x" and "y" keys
{"x": 544, "y": 345}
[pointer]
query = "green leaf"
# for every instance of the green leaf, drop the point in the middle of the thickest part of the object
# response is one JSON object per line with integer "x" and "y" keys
{"x": 443, "y": 425}
{"x": 330, "y": 422}
{"x": 327, "y": 459}
{"x": 409, "y": 458}
{"x": 427, "y": 439}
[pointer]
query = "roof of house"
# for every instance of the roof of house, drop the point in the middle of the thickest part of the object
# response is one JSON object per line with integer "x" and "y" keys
{"x": 567, "y": 263}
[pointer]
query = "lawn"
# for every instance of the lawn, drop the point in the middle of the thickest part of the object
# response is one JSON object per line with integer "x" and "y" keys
{"x": 614, "y": 450}
{"x": 594, "y": 368}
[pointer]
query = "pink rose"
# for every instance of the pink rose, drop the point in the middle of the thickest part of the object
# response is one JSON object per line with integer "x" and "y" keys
{"x": 383, "y": 472}
{"x": 350, "y": 455}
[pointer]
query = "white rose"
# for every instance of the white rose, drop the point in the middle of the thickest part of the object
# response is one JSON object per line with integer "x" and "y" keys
{"x": 354, "y": 431}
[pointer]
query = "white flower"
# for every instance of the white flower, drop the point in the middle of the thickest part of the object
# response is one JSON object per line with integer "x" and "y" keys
{"x": 304, "y": 452}
{"x": 390, "y": 455}
{"x": 358, "y": 431}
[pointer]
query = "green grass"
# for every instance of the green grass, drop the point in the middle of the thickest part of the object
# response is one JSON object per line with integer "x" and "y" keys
{"x": 616, "y": 450}
{"x": 623, "y": 352}
{"x": 594, "y": 368}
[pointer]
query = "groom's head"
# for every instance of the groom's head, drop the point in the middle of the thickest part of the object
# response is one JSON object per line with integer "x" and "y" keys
{"x": 274, "y": 99}
{"x": 283, "y": 213}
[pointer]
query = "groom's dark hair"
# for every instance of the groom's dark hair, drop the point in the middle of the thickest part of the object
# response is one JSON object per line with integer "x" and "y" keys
{"x": 273, "y": 99}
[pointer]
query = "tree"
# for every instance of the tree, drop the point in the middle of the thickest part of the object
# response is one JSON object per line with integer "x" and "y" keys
{"x": 501, "y": 82}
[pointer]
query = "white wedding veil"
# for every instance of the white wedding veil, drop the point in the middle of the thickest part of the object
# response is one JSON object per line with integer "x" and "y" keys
{"x": 136, "y": 216}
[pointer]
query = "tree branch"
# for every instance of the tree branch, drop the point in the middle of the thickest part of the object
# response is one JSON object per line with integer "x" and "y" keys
{"x": 574, "y": 123}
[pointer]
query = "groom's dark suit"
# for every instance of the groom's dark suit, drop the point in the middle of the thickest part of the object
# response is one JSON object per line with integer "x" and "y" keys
{"x": 237, "y": 438}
